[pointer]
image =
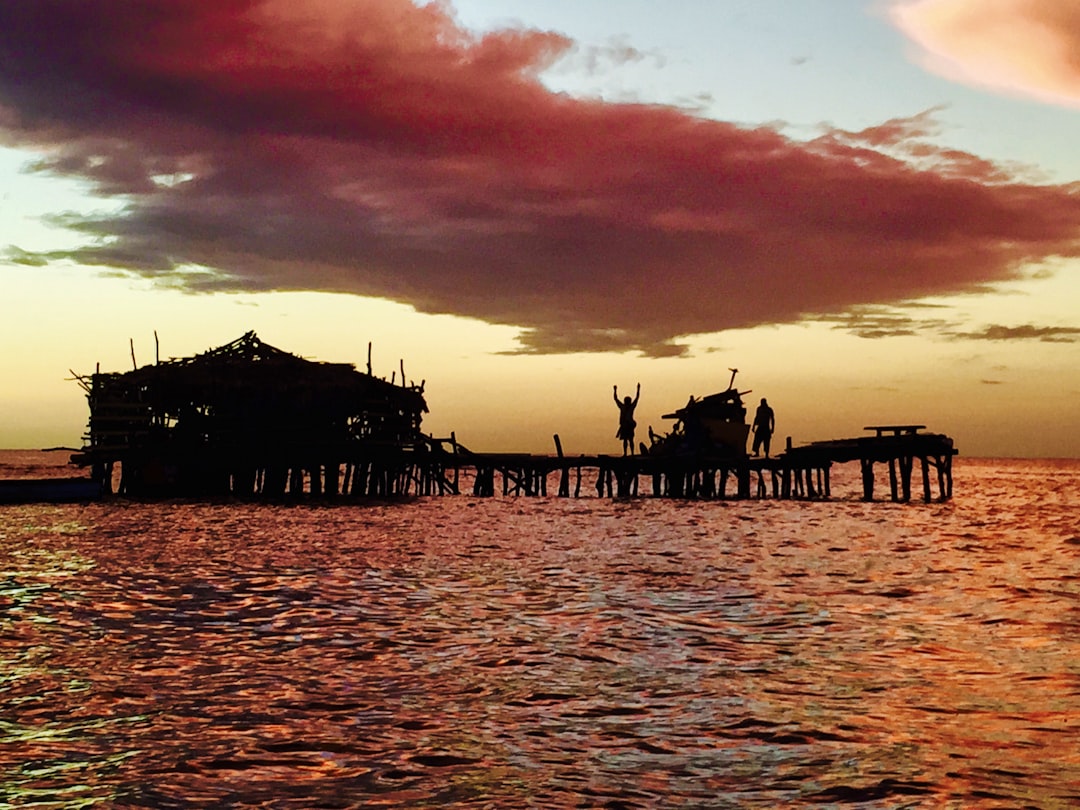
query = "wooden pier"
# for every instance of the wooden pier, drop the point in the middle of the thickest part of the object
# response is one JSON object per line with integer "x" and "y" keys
{"x": 249, "y": 420}
{"x": 898, "y": 446}
{"x": 442, "y": 467}
{"x": 798, "y": 473}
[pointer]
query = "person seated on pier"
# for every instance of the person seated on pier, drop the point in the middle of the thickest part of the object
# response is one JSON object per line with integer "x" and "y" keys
{"x": 626, "y": 419}
{"x": 764, "y": 424}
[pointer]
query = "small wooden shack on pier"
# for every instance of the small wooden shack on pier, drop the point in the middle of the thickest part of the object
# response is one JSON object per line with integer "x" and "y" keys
{"x": 248, "y": 418}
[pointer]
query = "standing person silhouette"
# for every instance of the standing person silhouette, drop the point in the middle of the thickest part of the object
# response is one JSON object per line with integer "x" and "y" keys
{"x": 764, "y": 424}
{"x": 626, "y": 419}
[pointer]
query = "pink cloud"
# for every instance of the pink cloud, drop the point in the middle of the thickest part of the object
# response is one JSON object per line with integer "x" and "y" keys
{"x": 1022, "y": 47}
{"x": 375, "y": 147}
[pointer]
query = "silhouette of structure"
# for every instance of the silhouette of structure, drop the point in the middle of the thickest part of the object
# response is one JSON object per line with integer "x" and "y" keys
{"x": 799, "y": 473}
{"x": 705, "y": 452}
{"x": 714, "y": 425}
{"x": 249, "y": 418}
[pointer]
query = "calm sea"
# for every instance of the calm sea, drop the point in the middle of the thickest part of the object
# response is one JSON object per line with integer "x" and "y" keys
{"x": 547, "y": 653}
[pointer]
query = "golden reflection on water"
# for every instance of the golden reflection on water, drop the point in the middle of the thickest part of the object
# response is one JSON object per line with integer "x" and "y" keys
{"x": 547, "y": 653}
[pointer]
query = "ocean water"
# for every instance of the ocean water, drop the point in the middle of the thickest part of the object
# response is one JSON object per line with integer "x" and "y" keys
{"x": 547, "y": 653}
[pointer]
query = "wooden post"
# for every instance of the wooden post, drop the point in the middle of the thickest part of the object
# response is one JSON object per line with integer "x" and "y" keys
{"x": 360, "y": 478}
{"x": 944, "y": 472}
{"x": 484, "y": 483}
{"x": 457, "y": 468}
{"x": 707, "y": 487}
{"x": 274, "y": 481}
{"x": 867, "y": 478}
{"x": 564, "y": 477}
{"x": 243, "y": 480}
{"x": 906, "y": 463}
{"x": 330, "y": 473}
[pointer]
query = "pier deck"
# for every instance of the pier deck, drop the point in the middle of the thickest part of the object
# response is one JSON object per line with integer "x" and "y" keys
{"x": 445, "y": 467}
{"x": 250, "y": 420}
{"x": 799, "y": 472}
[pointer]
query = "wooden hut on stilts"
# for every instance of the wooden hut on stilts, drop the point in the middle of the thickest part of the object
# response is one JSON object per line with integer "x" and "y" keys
{"x": 250, "y": 419}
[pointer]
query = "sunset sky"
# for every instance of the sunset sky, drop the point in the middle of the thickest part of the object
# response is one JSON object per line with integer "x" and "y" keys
{"x": 871, "y": 208}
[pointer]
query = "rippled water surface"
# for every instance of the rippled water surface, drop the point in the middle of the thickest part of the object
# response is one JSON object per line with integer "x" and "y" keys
{"x": 548, "y": 652}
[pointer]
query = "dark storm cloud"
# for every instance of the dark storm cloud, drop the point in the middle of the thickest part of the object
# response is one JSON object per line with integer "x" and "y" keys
{"x": 374, "y": 147}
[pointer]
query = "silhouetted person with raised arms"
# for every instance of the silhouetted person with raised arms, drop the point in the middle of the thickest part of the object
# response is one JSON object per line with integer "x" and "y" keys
{"x": 764, "y": 424}
{"x": 626, "y": 419}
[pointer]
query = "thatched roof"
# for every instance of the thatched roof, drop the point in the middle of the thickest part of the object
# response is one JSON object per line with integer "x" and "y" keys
{"x": 248, "y": 368}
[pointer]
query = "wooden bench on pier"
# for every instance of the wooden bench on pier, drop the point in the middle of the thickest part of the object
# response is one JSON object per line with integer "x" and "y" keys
{"x": 895, "y": 430}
